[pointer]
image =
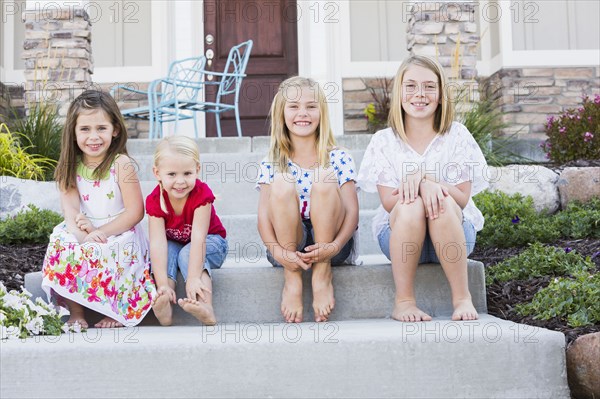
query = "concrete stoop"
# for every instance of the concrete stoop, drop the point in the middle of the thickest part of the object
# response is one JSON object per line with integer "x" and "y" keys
{"x": 486, "y": 358}
{"x": 360, "y": 352}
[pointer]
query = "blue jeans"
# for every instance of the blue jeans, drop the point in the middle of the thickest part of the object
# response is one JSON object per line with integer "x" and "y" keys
{"x": 428, "y": 253}
{"x": 179, "y": 256}
{"x": 307, "y": 239}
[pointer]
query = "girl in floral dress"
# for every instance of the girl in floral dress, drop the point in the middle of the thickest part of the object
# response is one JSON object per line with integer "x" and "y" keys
{"x": 98, "y": 257}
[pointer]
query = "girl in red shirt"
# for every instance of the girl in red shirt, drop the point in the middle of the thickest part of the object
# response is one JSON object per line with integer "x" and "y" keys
{"x": 185, "y": 232}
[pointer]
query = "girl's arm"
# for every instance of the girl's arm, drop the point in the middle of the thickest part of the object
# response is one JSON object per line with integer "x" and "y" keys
{"x": 460, "y": 193}
{"x": 69, "y": 201}
{"x": 388, "y": 196}
{"x": 133, "y": 201}
{"x": 200, "y": 225}
{"x": 158, "y": 250}
{"x": 288, "y": 259}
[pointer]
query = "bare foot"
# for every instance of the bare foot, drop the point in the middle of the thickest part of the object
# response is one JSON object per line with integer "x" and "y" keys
{"x": 323, "y": 300}
{"x": 108, "y": 322}
{"x": 408, "y": 311}
{"x": 76, "y": 319}
{"x": 200, "y": 310}
{"x": 464, "y": 310}
{"x": 162, "y": 309}
{"x": 291, "y": 297}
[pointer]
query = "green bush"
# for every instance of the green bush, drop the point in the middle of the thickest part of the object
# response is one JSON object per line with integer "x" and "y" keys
{"x": 511, "y": 220}
{"x": 17, "y": 162}
{"x": 43, "y": 131}
{"x": 538, "y": 261}
{"x": 580, "y": 220}
{"x": 575, "y": 134}
{"x": 31, "y": 226}
{"x": 576, "y": 300}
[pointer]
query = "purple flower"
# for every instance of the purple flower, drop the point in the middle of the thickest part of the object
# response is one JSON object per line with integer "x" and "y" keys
{"x": 516, "y": 220}
{"x": 568, "y": 249}
{"x": 595, "y": 254}
{"x": 588, "y": 136}
{"x": 597, "y": 99}
{"x": 589, "y": 118}
{"x": 547, "y": 155}
{"x": 562, "y": 129}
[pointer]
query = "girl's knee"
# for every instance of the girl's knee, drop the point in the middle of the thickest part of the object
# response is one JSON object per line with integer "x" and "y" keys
{"x": 412, "y": 214}
{"x": 325, "y": 182}
{"x": 283, "y": 186}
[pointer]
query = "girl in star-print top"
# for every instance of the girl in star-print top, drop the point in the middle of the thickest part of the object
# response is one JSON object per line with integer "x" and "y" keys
{"x": 308, "y": 207}
{"x": 185, "y": 231}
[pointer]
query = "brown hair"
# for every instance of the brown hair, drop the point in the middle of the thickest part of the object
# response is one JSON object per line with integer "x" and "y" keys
{"x": 90, "y": 100}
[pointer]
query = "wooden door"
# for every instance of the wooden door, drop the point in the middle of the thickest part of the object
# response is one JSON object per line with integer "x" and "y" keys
{"x": 271, "y": 24}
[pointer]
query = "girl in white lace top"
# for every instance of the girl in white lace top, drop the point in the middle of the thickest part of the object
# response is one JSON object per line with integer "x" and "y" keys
{"x": 426, "y": 168}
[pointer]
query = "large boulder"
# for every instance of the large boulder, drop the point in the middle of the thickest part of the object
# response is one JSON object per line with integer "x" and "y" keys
{"x": 16, "y": 194}
{"x": 537, "y": 181}
{"x": 581, "y": 184}
{"x": 583, "y": 366}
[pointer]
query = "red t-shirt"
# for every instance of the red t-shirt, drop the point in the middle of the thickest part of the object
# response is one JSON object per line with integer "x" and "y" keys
{"x": 179, "y": 227}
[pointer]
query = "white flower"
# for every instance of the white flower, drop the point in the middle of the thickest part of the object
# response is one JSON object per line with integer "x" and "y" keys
{"x": 35, "y": 325}
{"x": 29, "y": 295}
{"x": 2, "y": 316}
{"x": 12, "y": 301}
{"x": 2, "y": 288}
{"x": 63, "y": 311}
{"x": 76, "y": 327}
{"x": 8, "y": 332}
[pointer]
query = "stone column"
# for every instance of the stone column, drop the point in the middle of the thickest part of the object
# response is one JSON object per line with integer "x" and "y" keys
{"x": 57, "y": 54}
{"x": 447, "y": 31}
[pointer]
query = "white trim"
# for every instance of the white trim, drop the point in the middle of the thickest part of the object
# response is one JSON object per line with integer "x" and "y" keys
{"x": 160, "y": 47}
{"x": 552, "y": 58}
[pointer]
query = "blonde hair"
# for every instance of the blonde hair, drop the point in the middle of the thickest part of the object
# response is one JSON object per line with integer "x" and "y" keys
{"x": 281, "y": 147}
{"x": 65, "y": 173}
{"x": 180, "y": 145}
{"x": 444, "y": 114}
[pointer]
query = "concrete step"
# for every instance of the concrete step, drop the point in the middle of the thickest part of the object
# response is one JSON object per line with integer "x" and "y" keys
{"x": 259, "y": 144}
{"x": 362, "y": 292}
{"x": 486, "y": 358}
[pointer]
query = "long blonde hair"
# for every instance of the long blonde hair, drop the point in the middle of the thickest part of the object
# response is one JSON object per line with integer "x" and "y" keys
{"x": 65, "y": 173}
{"x": 281, "y": 148}
{"x": 180, "y": 145}
{"x": 444, "y": 114}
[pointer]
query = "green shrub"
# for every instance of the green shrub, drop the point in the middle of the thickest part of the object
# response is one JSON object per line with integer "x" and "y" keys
{"x": 575, "y": 134}
{"x": 43, "y": 131}
{"x": 576, "y": 300}
{"x": 511, "y": 220}
{"x": 17, "y": 162}
{"x": 580, "y": 220}
{"x": 31, "y": 226}
{"x": 538, "y": 261}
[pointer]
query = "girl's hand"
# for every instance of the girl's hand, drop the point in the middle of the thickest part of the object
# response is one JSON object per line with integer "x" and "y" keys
{"x": 409, "y": 189}
{"x": 96, "y": 236}
{"x": 291, "y": 261}
{"x": 433, "y": 195}
{"x": 195, "y": 288}
{"x": 83, "y": 223}
{"x": 168, "y": 292}
{"x": 319, "y": 252}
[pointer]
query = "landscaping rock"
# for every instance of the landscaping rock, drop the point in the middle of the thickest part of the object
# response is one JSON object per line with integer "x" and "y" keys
{"x": 16, "y": 194}
{"x": 537, "y": 181}
{"x": 583, "y": 366}
{"x": 581, "y": 184}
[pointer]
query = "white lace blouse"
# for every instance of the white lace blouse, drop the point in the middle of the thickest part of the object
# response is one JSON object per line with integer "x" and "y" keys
{"x": 454, "y": 158}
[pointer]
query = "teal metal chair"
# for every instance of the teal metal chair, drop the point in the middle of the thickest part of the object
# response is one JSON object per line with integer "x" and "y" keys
{"x": 228, "y": 84}
{"x": 167, "y": 97}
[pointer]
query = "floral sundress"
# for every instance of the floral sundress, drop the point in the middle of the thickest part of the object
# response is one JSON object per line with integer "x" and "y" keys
{"x": 113, "y": 278}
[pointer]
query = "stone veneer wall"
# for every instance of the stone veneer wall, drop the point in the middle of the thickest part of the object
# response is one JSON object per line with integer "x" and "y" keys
{"x": 58, "y": 56}
{"x": 11, "y": 99}
{"x": 529, "y": 95}
{"x": 135, "y": 128}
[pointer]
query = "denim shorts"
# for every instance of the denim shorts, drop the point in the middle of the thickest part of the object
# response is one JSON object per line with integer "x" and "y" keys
{"x": 308, "y": 239}
{"x": 428, "y": 254}
{"x": 179, "y": 256}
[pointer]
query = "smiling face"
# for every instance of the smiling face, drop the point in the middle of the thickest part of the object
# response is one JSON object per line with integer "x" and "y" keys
{"x": 420, "y": 93}
{"x": 94, "y": 132}
{"x": 302, "y": 113}
{"x": 177, "y": 174}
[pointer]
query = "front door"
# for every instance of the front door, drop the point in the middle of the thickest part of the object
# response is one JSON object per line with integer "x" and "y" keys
{"x": 271, "y": 24}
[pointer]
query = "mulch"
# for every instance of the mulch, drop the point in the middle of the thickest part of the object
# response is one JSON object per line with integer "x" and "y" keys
{"x": 18, "y": 260}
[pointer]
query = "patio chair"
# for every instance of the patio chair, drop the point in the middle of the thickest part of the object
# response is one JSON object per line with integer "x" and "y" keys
{"x": 168, "y": 97}
{"x": 228, "y": 84}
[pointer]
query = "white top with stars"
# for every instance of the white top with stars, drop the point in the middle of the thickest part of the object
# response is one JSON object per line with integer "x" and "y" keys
{"x": 342, "y": 163}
